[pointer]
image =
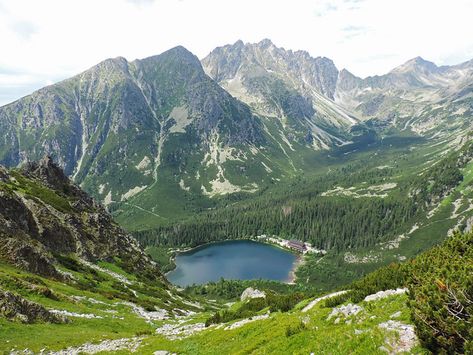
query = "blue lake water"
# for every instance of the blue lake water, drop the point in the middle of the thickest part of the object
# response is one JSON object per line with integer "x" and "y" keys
{"x": 238, "y": 259}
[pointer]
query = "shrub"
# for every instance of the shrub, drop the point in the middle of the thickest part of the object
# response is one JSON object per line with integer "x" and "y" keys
{"x": 441, "y": 296}
{"x": 292, "y": 330}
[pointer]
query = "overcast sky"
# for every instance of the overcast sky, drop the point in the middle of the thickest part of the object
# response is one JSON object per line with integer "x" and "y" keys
{"x": 45, "y": 41}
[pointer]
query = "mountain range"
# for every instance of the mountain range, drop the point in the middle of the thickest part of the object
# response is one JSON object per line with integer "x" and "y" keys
{"x": 251, "y": 142}
{"x": 169, "y": 135}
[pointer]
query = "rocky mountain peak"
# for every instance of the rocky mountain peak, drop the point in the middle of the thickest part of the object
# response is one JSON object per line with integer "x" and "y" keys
{"x": 347, "y": 81}
{"x": 261, "y": 59}
{"x": 239, "y": 43}
{"x": 178, "y": 55}
{"x": 47, "y": 171}
{"x": 265, "y": 43}
{"x": 111, "y": 65}
{"x": 417, "y": 64}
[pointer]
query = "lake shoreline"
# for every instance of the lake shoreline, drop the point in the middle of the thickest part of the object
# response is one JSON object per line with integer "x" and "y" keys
{"x": 300, "y": 260}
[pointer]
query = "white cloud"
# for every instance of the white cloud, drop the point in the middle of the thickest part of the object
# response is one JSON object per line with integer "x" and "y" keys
{"x": 54, "y": 39}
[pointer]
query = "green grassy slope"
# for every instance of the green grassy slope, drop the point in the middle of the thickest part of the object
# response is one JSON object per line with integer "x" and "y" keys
{"x": 292, "y": 332}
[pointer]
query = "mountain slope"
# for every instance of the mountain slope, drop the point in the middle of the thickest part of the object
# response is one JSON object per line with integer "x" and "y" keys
{"x": 44, "y": 216}
{"x": 120, "y": 127}
{"x": 98, "y": 291}
{"x": 100, "y": 307}
{"x": 418, "y": 96}
{"x": 157, "y": 139}
{"x": 68, "y": 273}
{"x": 290, "y": 88}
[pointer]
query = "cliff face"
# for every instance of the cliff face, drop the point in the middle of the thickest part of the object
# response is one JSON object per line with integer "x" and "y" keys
{"x": 292, "y": 88}
{"x": 43, "y": 215}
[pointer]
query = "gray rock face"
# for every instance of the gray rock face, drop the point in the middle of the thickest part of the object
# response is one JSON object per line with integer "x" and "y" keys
{"x": 291, "y": 86}
{"x": 345, "y": 311}
{"x": 251, "y": 293}
{"x": 417, "y": 95}
{"x": 55, "y": 217}
{"x": 17, "y": 308}
{"x": 405, "y": 341}
{"x": 224, "y": 63}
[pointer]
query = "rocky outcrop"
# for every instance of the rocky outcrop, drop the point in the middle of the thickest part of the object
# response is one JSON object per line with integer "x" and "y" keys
{"x": 405, "y": 340}
{"x": 251, "y": 293}
{"x": 16, "y": 308}
{"x": 383, "y": 294}
{"x": 52, "y": 176}
{"x": 43, "y": 214}
{"x": 130, "y": 345}
{"x": 345, "y": 311}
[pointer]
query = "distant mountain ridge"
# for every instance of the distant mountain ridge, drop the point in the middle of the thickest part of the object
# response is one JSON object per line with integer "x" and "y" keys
{"x": 157, "y": 137}
{"x": 417, "y": 95}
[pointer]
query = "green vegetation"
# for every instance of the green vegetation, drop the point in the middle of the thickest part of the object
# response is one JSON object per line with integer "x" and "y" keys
{"x": 441, "y": 295}
{"x": 163, "y": 257}
{"x": 440, "y": 283}
{"x": 231, "y": 290}
{"x": 101, "y": 305}
{"x": 273, "y": 302}
{"x": 35, "y": 190}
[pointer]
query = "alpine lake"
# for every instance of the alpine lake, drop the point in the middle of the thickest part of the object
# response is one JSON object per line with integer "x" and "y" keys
{"x": 232, "y": 260}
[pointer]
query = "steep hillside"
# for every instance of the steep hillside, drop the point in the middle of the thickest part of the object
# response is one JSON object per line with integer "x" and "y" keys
{"x": 120, "y": 128}
{"x": 68, "y": 273}
{"x": 292, "y": 90}
{"x": 365, "y": 214}
{"x": 159, "y": 129}
{"x": 43, "y": 216}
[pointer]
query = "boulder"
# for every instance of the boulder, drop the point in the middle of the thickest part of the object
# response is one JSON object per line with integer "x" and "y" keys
{"x": 250, "y": 293}
{"x": 16, "y": 308}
